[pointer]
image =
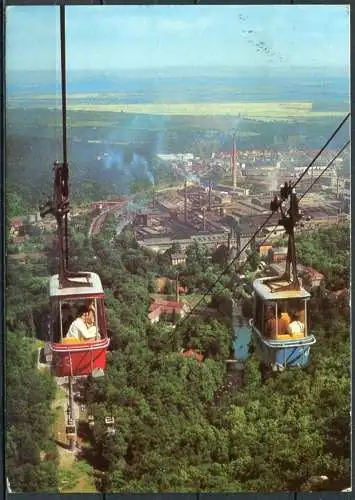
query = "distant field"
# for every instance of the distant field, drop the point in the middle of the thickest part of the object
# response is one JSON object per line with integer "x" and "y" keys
{"x": 256, "y": 110}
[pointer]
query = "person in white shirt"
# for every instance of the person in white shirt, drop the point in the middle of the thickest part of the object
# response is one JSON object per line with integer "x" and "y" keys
{"x": 79, "y": 328}
{"x": 296, "y": 326}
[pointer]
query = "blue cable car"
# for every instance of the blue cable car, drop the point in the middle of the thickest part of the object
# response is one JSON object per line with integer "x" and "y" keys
{"x": 281, "y": 324}
{"x": 279, "y": 349}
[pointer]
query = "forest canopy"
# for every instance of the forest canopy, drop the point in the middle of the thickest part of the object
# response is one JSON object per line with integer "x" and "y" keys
{"x": 179, "y": 425}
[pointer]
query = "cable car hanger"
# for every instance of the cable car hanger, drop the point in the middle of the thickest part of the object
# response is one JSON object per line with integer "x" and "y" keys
{"x": 59, "y": 205}
{"x": 238, "y": 269}
{"x": 288, "y": 220}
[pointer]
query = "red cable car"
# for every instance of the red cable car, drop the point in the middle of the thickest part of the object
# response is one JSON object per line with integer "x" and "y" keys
{"x": 73, "y": 356}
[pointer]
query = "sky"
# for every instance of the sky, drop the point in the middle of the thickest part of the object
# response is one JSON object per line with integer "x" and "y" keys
{"x": 109, "y": 38}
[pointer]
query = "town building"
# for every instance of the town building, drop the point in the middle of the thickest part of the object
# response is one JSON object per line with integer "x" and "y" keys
{"x": 169, "y": 308}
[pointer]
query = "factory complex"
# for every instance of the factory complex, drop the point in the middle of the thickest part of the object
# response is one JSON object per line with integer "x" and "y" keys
{"x": 214, "y": 216}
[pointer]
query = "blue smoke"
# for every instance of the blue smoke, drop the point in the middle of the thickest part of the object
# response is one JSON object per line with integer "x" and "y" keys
{"x": 140, "y": 165}
{"x": 126, "y": 171}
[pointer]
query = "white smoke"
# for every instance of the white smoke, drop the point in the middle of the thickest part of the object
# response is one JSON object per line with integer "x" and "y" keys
{"x": 274, "y": 183}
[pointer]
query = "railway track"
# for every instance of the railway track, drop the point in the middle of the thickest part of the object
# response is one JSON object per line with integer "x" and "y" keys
{"x": 98, "y": 221}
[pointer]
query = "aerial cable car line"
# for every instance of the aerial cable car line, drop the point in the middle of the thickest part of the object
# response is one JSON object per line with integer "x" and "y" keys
{"x": 251, "y": 239}
{"x": 299, "y": 199}
{"x": 64, "y": 126}
{"x": 280, "y": 320}
{"x": 80, "y": 349}
{"x": 324, "y": 170}
{"x": 321, "y": 150}
{"x": 290, "y": 188}
{"x": 237, "y": 269}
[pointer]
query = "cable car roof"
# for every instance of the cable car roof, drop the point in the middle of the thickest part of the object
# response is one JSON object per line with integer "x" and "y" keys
{"x": 94, "y": 286}
{"x": 264, "y": 290}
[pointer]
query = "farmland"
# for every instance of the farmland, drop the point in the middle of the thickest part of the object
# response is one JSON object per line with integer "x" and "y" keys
{"x": 264, "y": 111}
{"x": 256, "y": 110}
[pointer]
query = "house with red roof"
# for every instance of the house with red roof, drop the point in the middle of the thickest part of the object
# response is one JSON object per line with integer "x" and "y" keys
{"x": 161, "y": 307}
{"x": 16, "y": 225}
{"x": 191, "y": 353}
{"x": 311, "y": 277}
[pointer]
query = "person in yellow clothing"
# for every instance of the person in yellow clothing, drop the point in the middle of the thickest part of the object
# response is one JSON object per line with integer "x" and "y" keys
{"x": 284, "y": 314}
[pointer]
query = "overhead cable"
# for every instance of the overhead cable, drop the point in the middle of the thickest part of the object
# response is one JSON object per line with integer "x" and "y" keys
{"x": 268, "y": 219}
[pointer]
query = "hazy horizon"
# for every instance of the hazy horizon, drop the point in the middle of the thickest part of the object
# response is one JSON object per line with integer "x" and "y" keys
{"x": 275, "y": 38}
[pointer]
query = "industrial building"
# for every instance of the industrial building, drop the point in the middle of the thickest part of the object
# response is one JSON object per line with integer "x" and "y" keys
{"x": 217, "y": 214}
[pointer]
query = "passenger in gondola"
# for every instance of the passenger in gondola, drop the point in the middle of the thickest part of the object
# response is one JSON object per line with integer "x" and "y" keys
{"x": 91, "y": 316}
{"x": 284, "y": 314}
{"x": 275, "y": 326}
{"x": 283, "y": 321}
{"x": 79, "y": 328}
{"x": 270, "y": 325}
{"x": 296, "y": 326}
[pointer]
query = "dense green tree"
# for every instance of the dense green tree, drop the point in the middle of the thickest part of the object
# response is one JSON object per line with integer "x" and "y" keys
{"x": 29, "y": 419}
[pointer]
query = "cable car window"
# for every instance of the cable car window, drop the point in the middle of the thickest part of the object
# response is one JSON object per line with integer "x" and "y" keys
{"x": 298, "y": 316}
{"x": 270, "y": 311}
{"x": 67, "y": 315}
{"x": 258, "y": 313}
{"x": 101, "y": 316}
{"x": 55, "y": 322}
{"x": 306, "y": 318}
{"x": 297, "y": 306}
{"x": 69, "y": 310}
{"x": 92, "y": 323}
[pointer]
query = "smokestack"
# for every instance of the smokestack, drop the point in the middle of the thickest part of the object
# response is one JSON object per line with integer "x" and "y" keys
{"x": 154, "y": 198}
{"x": 209, "y": 195}
{"x": 234, "y": 171}
{"x": 204, "y": 219}
{"x": 185, "y": 203}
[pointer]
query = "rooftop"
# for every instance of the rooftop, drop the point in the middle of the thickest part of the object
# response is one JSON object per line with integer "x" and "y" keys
{"x": 191, "y": 353}
{"x": 312, "y": 273}
{"x": 165, "y": 305}
{"x": 91, "y": 286}
{"x": 264, "y": 288}
{"x": 17, "y": 221}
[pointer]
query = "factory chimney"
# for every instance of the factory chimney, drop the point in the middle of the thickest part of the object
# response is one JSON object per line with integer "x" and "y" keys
{"x": 154, "y": 198}
{"x": 234, "y": 170}
{"x": 185, "y": 201}
{"x": 209, "y": 195}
